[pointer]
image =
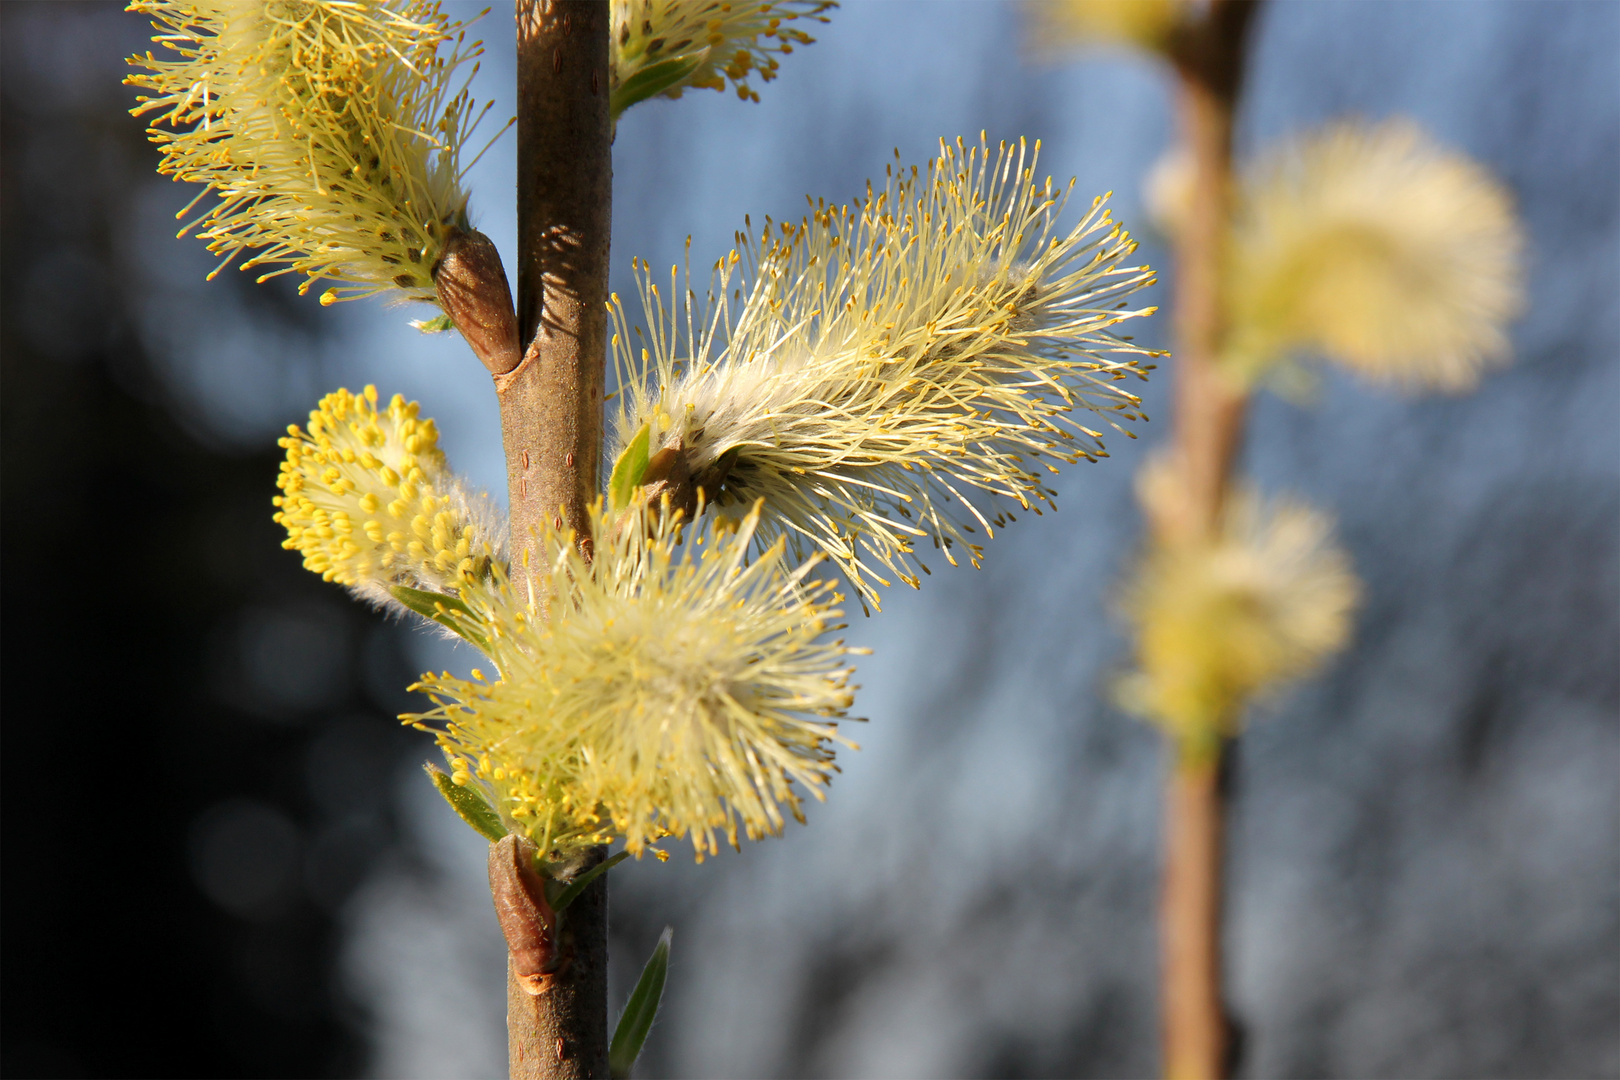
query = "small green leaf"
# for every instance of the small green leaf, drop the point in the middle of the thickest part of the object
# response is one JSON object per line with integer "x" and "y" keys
{"x": 469, "y": 805}
{"x": 436, "y": 325}
{"x": 653, "y": 80}
{"x": 444, "y": 609}
{"x": 629, "y": 469}
{"x": 424, "y": 603}
{"x": 640, "y": 1010}
{"x": 577, "y": 886}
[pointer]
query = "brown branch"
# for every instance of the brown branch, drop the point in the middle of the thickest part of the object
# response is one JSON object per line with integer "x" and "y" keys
{"x": 1189, "y": 928}
{"x": 551, "y": 425}
{"x": 551, "y": 403}
{"x": 1209, "y": 417}
{"x": 1209, "y": 411}
{"x": 556, "y": 969}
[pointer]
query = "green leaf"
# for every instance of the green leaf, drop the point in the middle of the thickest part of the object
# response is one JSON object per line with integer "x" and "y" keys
{"x": 444, "y": 609}
{"x": 629, "y": 469}
{"x": 468, "y": 804}
{"x": 577, "y": 886}
{"x": 653, "y": 80}
{"x": 425, "y": 603}
{"x": 640, "y": 1010}
{"x": 436, "y": 325}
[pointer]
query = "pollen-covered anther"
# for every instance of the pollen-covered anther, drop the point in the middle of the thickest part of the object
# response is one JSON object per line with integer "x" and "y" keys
{"x": 369, "y": 502}
{"x": 662, "y": 47}
{"x": 677, "y": 689}
{"x": 863, "y": 377}
{"x": 330, "y": 131}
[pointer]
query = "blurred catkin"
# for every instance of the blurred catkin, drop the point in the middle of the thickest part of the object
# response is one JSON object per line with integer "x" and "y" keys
{"x": 1222, "y": 620}
{"x": 1061, "y": 25}
{"x": 1380, "y": 250}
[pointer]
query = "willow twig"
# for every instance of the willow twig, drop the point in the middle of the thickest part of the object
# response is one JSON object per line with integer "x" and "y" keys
{"x": 1209, "y": 415}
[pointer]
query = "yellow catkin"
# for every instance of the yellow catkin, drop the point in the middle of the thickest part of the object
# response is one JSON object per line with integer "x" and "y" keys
{"x": 1064, "y": 24}
{"x": 707, "y": 42}
{"x": 366, "y": 498}
{"x": 1379, "y": 249}
{"x": 906, "y": 370}
{"x": 1220, "y": 621}
{"x": 330, "y": 132}
{"x": 674, "y": 690}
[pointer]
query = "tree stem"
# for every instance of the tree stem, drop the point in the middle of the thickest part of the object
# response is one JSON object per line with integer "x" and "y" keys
{"x": 562, "y": 1034}
{"x": 1209, "y": 416}
{"x": 551, "y": 426}
{"x": 1209, "y": 409}
{"x": 1194, "y": 1018}
{"x": 551, "y": 403}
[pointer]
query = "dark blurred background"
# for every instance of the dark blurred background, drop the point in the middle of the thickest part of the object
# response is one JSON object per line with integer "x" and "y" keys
{"x": 197, "y": 733}
{"x": 220, "y": 859}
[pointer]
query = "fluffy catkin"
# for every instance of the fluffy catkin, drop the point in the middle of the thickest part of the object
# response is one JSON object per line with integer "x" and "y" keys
{"x": 1377, "y": 248}
{"x": 674, "y": 690}
{"x": 1222, "y": 620}
{"x": 367, "y": 499}
{"x": 907, "y": 369}
{"x": 662, "y": 47}
{"x": 329, "y": 131}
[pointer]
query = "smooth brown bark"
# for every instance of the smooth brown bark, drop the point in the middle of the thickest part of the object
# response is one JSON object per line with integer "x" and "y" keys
{"x": 551, "y": 425}
{"x": 1209, "y": 411}
{"x": 551, "y": 403}
{"x": 1209, "y": 417}
{"x": 1190, "y": 919}
{"x": 562, "y": 1033}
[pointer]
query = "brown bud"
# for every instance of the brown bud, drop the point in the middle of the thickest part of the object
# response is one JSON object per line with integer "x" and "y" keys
{"x": 669, "y": 476}
{"x": 668, "y": 473}
{"x": 710, "y": 480}
{"x": 526, "y": 919}
{"x": 473, "y": 291}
